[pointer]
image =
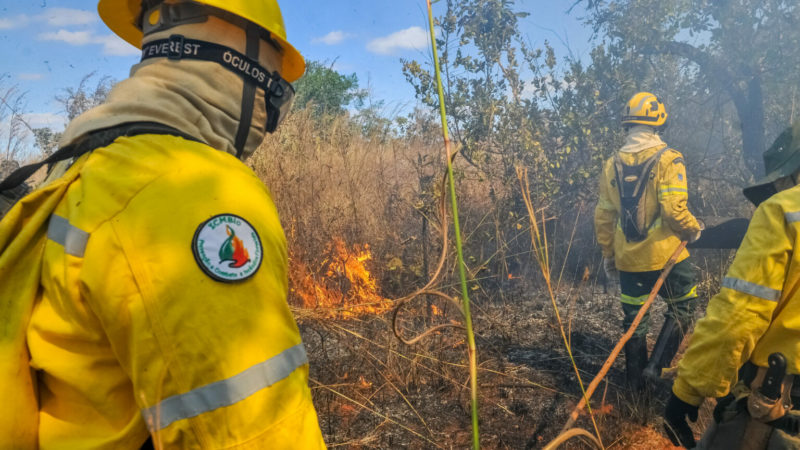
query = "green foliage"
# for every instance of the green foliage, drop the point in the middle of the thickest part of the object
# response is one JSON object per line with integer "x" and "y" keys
{"x": 510, "y": 104}
{"x": 745, "y": 50}
{"x": 727, "y": 72}
{"x": 326, "y": 90}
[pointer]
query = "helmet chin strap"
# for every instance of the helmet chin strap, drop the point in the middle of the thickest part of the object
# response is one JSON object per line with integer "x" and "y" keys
{"x": 248, "y": 92}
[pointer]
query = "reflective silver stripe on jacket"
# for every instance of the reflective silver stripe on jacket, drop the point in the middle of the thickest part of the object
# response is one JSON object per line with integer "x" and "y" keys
{"x": 756, "y": 290}
{"x": 225, "y": 392}
{"x": 673, "y": 189}
{"x": 74, "y": 240}
{"x": 792, "y": 216}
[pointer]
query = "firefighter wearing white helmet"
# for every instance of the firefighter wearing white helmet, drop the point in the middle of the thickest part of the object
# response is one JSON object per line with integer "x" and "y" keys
{"x": 640, "y": 218}
{"x": 143, "y": 292}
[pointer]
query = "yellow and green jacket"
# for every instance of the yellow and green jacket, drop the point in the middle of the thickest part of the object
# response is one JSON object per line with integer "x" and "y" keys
{"x": 134, "y": 327}
{"x": 757, "y": 311}
{"x": 664, "y": 199}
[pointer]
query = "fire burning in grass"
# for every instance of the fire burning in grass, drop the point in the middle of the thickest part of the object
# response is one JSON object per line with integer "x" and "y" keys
{"x": 342, "y": 287}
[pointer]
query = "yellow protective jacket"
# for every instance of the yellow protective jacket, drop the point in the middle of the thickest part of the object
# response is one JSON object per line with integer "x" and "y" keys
{"x": 133, "y": 329}
{"x": 756, "y": 312}
{"x": 665, "y": 200}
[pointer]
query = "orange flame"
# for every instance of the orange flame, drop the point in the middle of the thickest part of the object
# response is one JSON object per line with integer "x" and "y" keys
{"x": 345, "y": 287}
{"x": 240, "y": 253}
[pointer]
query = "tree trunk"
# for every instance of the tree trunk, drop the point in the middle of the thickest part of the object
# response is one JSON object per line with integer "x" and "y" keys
{"x": 751, "y": 121}
{"x": 746, "y": 94}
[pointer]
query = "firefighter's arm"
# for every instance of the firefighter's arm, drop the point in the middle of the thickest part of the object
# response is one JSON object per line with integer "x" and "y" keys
{"x": 202, "y": 324}
{"x": 673, "y": 195}
{"x": 605, "y": 217}
{"x": 740, "y": 313}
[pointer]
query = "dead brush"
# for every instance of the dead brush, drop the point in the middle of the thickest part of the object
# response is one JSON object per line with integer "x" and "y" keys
{"x": 330, "y": 181}
{"x": 370, "y": 391}
{"x": 541, "y": 253}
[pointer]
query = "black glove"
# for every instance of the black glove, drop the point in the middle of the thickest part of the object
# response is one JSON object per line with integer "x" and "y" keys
{"x": 676, "y": 426}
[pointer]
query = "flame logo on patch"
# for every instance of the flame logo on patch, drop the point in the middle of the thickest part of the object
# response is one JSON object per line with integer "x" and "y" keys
{"x": 233, "y": 250}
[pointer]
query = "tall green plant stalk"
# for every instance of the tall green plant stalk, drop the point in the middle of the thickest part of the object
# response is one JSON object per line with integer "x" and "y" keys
{"x": 473, "y": 358}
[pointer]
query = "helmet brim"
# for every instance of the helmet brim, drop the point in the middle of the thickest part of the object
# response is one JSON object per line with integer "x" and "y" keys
{"x": 764, "y": 188}
{"x": 651, "y": 121}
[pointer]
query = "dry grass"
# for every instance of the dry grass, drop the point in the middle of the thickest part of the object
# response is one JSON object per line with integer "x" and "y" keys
{"x": 331, "y": 182}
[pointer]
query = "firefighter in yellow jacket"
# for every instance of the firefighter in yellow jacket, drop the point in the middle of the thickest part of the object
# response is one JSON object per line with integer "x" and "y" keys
{"x": 754, "y": 315}
{"x": 640, "y": 219}
{"x": 156, "y": 266}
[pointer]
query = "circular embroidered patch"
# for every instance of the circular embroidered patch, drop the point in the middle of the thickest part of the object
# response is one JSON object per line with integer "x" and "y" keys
{"x": 227, "y": 248}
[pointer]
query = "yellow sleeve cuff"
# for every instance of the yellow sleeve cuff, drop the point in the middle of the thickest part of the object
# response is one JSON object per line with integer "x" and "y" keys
{"x": 686, "y": 393}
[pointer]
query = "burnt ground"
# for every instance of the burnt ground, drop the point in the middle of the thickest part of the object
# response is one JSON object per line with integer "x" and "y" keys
{"x": 372, "y": 391}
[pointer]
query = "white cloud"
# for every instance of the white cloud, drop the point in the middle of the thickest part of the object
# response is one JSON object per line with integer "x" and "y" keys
{"x": 332, "y": 38}
{"x": 30, "y": 76}
{"x": 54, "y": 17}
{"x": 65, "y": 17}
{"x": 70, "y": 37}
{"x": 411, "y": 38}
{"x": 49, "y": 120}
{"x": 112, "y": 45}
{"x": 8, "y": 23}
{"x": 115, "y": 46}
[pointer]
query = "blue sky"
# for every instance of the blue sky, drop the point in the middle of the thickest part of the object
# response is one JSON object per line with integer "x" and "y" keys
{"x": 49, "y": 45}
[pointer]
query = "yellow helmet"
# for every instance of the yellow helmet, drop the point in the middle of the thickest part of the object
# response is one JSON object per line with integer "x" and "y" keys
{"x": 644, "y": 108}
{"x": 122, "y": 17}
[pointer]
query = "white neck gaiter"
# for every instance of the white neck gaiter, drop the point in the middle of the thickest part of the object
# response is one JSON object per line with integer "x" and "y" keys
{"x": 641, "y": 137}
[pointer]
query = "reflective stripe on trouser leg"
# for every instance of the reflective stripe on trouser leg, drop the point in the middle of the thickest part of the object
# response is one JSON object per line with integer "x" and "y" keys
{"x": 690, "y": 295}
{"x": 225, "y": 392}
{"x": 637, "y": 301}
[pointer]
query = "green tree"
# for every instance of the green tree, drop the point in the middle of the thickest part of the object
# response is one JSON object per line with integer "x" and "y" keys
{"x": 745, "y": 49}
{"x": 489, "y": 118}
{"x": 511, "y": 104}
{"x": 326, "y": 90}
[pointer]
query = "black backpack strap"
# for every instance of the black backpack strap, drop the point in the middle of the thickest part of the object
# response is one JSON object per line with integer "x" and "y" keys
{"x": 643, "y": 176}
{"x": 618, "y": 169}
{"x": 630, "y": 194}
{"x": 647, "y": 169}
{"x": 95, "y": 139}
